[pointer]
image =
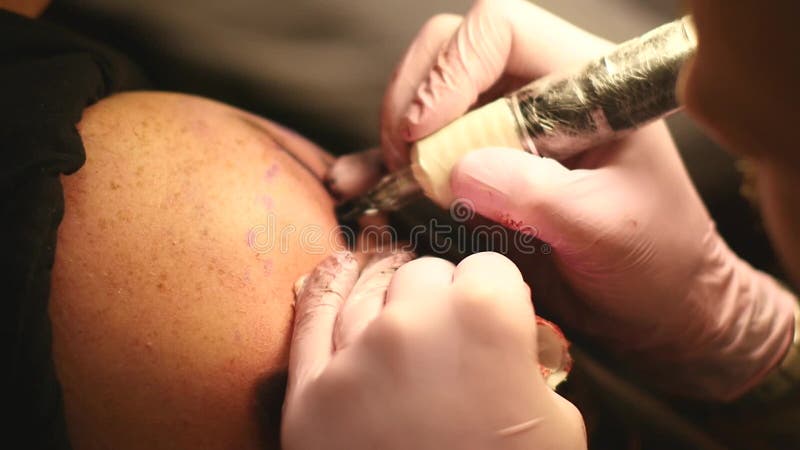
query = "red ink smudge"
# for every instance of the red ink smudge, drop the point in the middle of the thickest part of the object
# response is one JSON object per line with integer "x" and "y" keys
{"x": 508, "y": 222}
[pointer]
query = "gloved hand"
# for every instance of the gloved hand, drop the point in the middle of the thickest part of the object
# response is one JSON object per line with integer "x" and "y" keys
{"x": 427, "y": 356}
{"x": 654, "y": 281}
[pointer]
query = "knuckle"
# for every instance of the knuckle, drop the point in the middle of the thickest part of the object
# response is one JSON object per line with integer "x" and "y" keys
{"x": 487, "y": 276}
{"x": 495, "y": 308}
{"x": 490, "y": 5}
{"x": 490, "y": 259}
{"x": 335, "y": 382}
{"x": 419, "y": 265}
{"x": 473, "y": 302}
{"x": 441, "y": 21}
{"x": 389, "y": 345}
{"x": 473, "y": 293}
{"x": 387, "y": 333}
{"x": 500, "y": 9}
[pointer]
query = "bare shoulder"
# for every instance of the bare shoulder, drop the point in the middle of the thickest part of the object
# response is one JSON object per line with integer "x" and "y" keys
{"x": 145, "y": 114}
{"x": 164, "y": 319}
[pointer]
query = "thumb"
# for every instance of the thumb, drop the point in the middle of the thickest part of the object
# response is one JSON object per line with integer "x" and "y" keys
{"x": 568, "y": 428}
{"x": 520, "y": 191}
{"x": 319, "y": 297}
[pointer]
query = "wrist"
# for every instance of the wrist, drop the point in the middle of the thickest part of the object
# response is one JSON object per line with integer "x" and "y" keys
{"x": 745, "y": 326}
{"x": 783, "y": 379}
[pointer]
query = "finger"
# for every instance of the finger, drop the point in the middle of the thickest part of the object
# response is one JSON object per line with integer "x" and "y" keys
{"x": 491, "y": 277}
{"x": 424, "y": 279}
{"x": 408, "y": 75}
{"x": 537, "y": 197}
{"x": 495, "y": 281}
{"x": 367, "y": 297}
{"x": 569, "y": 422}
{"x": 494, "y": 303}
{"x": 354, "y": 174}
{"x": 510, "y": 37}
{"x": 318, "y": 300}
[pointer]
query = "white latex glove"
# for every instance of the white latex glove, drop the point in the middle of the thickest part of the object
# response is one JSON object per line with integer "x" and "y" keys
{"x": 432, "y": 356}
{"x": 630, "y": 235}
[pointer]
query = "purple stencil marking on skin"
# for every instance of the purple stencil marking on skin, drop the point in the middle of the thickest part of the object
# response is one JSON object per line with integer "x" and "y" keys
{"x": 267, "y": 201}
{"x": 250, "y": 239}
{"x": 271, "y": 172}
{"x": 268, "y": 267}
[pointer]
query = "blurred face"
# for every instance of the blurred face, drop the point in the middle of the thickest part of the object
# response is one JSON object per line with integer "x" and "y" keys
{"x": 171, "y": 299}
{"x": 744, "y": 86}
{"x": 28, "y": 8}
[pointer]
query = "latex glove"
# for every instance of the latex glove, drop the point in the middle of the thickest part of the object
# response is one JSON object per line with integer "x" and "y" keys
{"x": 435, "y": 356}
{"x": 630, "y": 235}
{"x": 354, "y": 173}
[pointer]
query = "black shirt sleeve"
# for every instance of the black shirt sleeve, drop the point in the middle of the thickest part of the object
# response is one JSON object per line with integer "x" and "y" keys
{"x": 47, "y": 77}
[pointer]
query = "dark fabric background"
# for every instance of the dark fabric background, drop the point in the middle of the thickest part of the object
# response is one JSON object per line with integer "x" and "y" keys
{"x": 47, "y": 77}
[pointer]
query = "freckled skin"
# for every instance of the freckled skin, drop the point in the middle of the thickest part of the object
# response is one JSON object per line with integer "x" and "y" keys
{"x": 164, "y": 319}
